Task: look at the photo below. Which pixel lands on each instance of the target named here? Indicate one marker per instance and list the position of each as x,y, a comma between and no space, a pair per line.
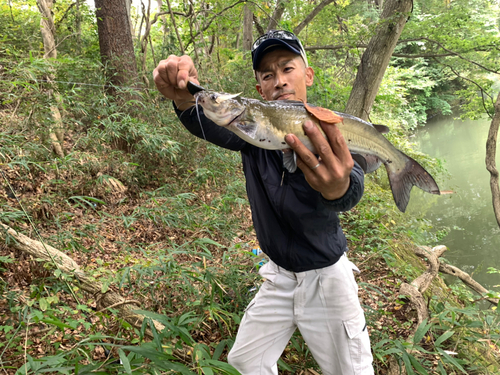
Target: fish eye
213,97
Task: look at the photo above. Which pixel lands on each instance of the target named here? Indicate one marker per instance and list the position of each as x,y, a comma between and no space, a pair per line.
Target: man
309,281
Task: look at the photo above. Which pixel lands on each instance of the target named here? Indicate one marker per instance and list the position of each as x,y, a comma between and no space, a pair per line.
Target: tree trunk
128,4
277,14
491,146
115,41
78,25
146,13
376,57
175,27
48,30
311,15
247,28
162,18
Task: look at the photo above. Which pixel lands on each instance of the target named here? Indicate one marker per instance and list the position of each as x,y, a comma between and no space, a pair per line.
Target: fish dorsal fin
248,128
323,114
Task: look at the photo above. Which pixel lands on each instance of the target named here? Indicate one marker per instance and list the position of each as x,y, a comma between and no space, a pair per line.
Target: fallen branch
417,287
467,280
49,254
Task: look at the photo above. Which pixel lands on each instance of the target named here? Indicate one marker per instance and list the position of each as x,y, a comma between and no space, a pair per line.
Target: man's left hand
330,173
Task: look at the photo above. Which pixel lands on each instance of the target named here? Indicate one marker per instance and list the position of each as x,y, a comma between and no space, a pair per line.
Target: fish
265,123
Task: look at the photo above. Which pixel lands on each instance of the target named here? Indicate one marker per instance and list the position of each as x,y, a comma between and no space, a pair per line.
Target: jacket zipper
284,186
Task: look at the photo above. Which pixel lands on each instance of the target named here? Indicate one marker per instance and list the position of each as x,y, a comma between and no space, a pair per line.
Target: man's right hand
171,76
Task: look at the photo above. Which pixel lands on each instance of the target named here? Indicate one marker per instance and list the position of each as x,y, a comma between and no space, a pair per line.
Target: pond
466,211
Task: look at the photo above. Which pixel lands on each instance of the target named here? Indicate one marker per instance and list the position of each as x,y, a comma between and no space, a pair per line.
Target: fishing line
199,119
77,83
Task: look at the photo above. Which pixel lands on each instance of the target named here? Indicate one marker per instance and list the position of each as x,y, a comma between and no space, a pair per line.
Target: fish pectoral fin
248,128
361,161
381,128
290,161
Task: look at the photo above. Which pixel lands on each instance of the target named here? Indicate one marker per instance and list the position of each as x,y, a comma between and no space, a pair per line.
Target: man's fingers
337,142
186,71
323,147
171,70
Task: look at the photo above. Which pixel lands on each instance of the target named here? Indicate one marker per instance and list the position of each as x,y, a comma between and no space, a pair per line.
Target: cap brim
261,50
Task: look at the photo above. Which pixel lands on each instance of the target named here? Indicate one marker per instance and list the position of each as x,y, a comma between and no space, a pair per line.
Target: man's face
283,75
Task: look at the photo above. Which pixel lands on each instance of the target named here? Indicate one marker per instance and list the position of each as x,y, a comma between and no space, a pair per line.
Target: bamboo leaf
124,361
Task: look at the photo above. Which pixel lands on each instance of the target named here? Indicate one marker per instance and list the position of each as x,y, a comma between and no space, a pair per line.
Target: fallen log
49,254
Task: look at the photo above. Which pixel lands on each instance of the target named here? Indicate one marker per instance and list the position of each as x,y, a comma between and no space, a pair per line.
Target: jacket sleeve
204,128
353,194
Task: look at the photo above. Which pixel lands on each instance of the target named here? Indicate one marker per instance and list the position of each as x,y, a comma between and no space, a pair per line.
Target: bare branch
483,91
277,14
457,54
213,18
66,12
311,15
258,26
335,47
467,280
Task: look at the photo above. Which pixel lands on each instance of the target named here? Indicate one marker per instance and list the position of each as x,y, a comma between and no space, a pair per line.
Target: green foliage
407,95
179,240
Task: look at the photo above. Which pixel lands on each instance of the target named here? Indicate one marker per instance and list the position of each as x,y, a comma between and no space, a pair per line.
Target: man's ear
309,76
259,89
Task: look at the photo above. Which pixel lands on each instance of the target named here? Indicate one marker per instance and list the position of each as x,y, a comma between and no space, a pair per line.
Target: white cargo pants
323,304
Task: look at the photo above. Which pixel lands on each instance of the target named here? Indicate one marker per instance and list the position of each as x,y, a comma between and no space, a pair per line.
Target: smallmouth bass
265,123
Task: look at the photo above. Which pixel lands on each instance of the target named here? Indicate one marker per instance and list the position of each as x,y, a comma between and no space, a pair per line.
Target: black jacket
296,227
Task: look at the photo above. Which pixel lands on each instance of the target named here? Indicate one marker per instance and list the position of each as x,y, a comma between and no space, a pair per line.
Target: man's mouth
284,96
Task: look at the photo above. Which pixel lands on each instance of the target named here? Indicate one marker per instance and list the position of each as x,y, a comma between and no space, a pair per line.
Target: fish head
221,108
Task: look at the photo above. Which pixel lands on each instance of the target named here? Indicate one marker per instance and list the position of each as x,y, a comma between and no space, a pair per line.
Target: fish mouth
234,119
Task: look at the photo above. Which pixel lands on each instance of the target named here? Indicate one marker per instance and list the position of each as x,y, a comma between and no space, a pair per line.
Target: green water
474,236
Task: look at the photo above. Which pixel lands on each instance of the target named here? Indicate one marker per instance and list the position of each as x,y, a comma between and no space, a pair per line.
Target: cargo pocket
359,344
269,272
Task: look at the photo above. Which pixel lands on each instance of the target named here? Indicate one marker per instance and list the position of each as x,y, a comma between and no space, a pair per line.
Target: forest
127,244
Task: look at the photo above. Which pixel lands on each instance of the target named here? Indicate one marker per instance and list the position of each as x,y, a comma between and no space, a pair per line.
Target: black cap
273,39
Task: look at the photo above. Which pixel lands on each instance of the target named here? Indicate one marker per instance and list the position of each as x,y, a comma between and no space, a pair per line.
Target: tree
491,145
376,57
247,28
115,41
48,30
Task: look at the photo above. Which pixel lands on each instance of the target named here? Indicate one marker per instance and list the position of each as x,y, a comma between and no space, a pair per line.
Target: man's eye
288,69
266,76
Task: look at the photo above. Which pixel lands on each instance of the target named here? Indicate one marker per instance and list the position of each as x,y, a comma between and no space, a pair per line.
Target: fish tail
403,179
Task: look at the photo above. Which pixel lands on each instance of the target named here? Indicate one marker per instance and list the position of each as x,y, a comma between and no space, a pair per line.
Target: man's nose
280,81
